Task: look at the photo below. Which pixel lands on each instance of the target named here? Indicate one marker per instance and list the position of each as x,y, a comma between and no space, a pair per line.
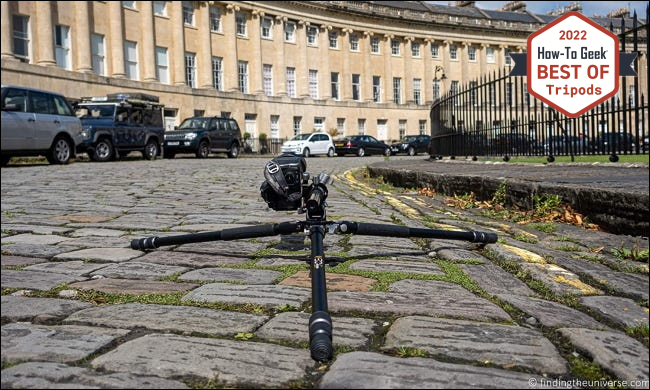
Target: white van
36,122
310,144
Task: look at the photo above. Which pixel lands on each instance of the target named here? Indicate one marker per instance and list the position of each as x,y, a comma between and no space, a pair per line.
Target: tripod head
287,187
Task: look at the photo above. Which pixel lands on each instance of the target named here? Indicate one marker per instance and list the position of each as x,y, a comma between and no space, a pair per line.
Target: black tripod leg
320,322
224,235
375,229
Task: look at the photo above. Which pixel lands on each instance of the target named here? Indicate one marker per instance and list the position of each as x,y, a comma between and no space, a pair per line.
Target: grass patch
625,158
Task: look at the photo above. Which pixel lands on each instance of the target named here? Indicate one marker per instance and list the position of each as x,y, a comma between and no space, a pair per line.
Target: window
417,91
415,49
340,126
160,8
376,89
492,94
268,79
128,4
436,89
291,82
319,124
199,112
374,45
275,126
162,65
354,42
454,90
356,87
489,55
397,90
21,36
297,125
267,27
334,78
215,19
241,24
473,86
188,13
190,70
313,83
394,47
217,73
402,128
471,54
435,51
131,60
334,39
631,97
509,96
62,46
506,53
312,36
422,125
361,126
98,53
453,52
242,72
290,32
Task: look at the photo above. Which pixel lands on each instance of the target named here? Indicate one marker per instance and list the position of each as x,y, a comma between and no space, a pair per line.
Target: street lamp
437,69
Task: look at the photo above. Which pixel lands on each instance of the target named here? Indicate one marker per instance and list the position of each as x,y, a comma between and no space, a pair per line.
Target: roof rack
134,97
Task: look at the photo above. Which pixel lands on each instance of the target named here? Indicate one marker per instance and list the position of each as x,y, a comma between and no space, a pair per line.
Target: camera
285,178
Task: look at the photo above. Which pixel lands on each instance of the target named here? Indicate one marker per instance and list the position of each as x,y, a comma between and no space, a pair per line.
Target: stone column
82,37
177,50
303,68
280,73
44,33
427,77
230,70
6,44
147,34
326,89
346,77
256,66
204,56
445,66
116,33
388,69
483,58
367,69
464,60
408,69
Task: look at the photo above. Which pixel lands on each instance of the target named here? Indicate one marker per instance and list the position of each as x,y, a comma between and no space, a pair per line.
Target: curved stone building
280,68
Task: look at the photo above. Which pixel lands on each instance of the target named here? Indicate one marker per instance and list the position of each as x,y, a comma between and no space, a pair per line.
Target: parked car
361,145
310,144
37,122
411,145
116,124
615,143
204,135
515,143
565,145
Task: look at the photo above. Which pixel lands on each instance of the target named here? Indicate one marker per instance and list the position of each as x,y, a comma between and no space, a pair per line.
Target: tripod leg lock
320,336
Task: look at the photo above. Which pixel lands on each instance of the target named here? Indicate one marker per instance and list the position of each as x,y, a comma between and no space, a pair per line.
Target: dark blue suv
204,135
117,124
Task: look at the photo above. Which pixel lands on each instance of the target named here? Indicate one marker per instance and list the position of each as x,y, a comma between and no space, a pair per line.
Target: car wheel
387,152
150,150
330,152
411,151
306,152
203,150
361,152
60,152
103,150
234,151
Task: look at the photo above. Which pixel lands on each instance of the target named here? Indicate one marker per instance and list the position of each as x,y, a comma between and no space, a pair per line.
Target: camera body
285,181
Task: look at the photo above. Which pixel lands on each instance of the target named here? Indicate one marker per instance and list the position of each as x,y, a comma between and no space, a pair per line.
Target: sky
589,8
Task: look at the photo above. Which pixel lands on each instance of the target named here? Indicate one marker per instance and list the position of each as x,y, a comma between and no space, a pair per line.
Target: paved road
552,308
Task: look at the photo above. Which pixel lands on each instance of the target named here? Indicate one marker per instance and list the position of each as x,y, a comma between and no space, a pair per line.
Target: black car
203,135
411,145
117,124
618,142
361,145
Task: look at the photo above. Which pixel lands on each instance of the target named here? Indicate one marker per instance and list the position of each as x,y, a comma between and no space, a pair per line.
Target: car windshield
195,123
96,111
301,137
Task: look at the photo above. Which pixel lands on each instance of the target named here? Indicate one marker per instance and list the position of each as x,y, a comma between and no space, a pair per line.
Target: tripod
315,226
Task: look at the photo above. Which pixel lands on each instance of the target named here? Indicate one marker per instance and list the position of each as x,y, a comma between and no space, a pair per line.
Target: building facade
279,68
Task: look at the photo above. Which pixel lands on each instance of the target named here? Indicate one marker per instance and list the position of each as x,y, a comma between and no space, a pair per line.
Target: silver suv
36,122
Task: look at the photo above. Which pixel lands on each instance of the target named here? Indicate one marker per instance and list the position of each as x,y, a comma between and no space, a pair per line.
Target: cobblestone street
560,306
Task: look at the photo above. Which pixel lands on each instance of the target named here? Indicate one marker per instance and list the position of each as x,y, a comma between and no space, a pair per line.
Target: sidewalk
613,195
